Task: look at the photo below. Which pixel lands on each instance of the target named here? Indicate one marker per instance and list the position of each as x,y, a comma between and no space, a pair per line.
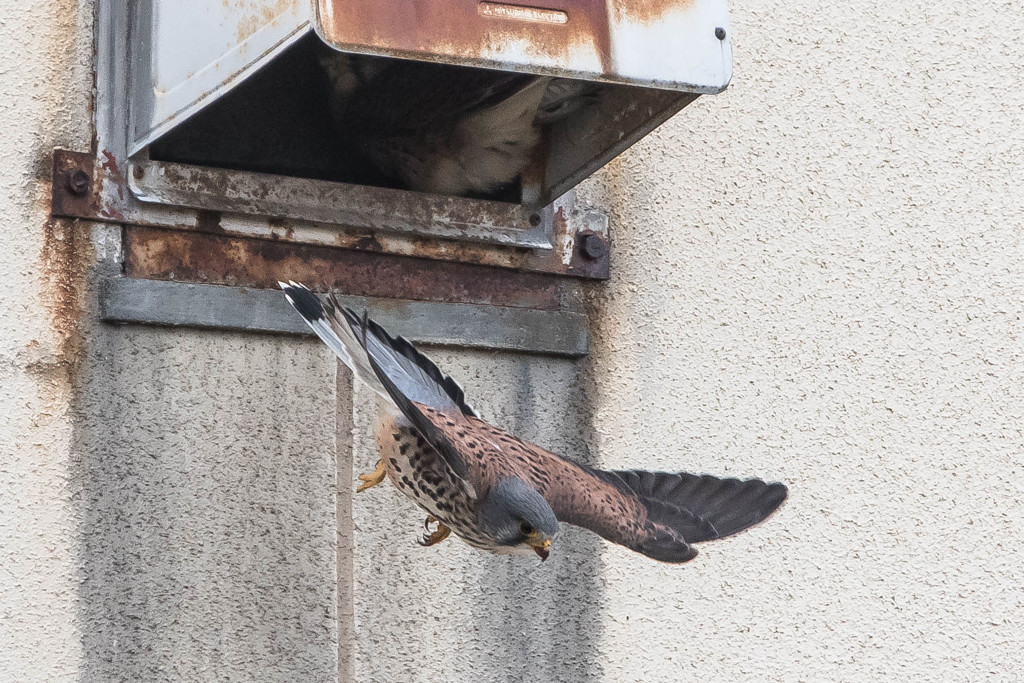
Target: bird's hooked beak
542,549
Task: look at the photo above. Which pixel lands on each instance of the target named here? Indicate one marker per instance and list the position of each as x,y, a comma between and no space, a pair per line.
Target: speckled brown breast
416,469
575,493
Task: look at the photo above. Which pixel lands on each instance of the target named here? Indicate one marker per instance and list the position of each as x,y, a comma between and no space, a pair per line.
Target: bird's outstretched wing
404,374
658,514
661,514
700,507
679,509
392,367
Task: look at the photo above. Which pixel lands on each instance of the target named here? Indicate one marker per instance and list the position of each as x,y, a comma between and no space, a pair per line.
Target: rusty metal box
671,44
180,82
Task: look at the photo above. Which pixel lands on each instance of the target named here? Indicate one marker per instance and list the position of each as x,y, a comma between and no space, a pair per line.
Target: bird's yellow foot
435,537
372,479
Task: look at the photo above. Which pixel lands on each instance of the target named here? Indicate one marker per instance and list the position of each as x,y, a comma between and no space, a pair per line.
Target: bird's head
517,518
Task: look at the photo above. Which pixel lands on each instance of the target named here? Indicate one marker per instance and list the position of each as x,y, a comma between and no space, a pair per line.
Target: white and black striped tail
352,338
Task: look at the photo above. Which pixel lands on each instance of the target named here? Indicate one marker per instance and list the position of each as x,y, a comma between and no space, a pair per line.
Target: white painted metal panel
187,53
672,44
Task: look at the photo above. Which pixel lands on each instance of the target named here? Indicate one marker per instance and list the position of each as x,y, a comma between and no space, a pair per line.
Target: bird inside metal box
446,129
502,494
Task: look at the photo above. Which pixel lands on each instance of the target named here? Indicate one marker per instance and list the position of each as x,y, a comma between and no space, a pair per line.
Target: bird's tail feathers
565,96
334,331
411,373
508,126
353,338
494,145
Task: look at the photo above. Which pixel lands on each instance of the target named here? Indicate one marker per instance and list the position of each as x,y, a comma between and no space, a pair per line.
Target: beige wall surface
205,481
44,101
816,277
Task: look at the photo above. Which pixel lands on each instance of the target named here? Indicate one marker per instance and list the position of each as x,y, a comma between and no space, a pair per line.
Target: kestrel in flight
502,494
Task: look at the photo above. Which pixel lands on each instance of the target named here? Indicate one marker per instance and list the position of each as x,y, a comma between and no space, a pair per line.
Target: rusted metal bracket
261,206
75,193
155,254
358,206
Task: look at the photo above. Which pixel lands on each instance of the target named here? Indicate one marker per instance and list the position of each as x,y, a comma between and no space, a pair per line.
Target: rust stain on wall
67,254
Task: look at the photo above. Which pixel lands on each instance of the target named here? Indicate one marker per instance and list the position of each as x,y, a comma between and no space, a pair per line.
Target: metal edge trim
321,201
182,304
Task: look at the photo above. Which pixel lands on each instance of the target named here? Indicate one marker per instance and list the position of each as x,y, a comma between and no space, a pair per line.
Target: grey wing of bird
660,514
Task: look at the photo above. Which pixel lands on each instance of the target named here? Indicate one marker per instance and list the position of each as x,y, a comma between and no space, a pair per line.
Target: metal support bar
358,206
96,188
177,304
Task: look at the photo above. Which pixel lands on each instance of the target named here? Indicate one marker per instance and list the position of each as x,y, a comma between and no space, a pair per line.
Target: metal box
213,109
671,44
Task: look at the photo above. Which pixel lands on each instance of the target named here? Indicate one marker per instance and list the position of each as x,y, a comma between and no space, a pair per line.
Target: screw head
77,181
138,172
535,219
720,33
593,247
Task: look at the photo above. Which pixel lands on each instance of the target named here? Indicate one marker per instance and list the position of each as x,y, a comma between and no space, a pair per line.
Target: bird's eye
525,528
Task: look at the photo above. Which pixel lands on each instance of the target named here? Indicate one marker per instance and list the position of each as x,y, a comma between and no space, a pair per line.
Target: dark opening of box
316,113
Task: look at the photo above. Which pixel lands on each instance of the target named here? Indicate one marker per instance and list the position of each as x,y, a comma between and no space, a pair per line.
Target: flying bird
445,129
500,493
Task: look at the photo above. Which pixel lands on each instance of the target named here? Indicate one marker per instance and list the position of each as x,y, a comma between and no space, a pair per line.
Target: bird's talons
437,536
374,478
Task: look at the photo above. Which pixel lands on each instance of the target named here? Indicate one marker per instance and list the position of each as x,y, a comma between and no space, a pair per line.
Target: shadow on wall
208,511
207,492
206,485
454,613
551,614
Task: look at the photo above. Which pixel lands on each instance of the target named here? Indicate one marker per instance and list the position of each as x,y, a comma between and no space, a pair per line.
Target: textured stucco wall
207,492
44,101
818,276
